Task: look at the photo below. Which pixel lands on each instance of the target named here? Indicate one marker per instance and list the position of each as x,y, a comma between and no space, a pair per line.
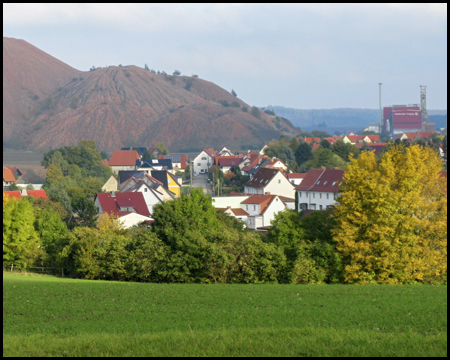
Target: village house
8,177
154,164
120,204
296,178
270,181
123,160
261,210
319,189
110,185
203,161
152,182
152,197
179,162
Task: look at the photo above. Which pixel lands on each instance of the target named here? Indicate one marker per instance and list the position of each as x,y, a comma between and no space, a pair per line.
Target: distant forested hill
343,117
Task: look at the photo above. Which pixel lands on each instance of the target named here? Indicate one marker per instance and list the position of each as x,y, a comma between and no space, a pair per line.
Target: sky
304,56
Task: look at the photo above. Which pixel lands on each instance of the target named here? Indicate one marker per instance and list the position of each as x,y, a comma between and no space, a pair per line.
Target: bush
256,112
235,104
224,103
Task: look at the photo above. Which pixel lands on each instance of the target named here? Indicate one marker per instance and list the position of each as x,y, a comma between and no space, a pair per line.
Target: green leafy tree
325,144
20,240
344,150
13,187
104,155
30,187
233,92
53,175
256,112
391,220
303,153
325,158
162,148
85,213
320,133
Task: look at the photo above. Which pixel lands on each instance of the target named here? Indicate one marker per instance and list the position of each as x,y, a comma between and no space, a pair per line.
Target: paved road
201,181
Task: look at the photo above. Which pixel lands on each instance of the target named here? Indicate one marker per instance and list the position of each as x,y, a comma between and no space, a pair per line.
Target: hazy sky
306,56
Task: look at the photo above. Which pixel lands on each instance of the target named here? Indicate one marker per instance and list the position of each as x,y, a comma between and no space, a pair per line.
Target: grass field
48,316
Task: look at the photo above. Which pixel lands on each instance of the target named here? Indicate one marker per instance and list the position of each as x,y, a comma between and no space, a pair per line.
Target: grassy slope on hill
45,316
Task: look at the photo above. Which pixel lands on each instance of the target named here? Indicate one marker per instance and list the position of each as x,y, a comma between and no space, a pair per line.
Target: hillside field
49,316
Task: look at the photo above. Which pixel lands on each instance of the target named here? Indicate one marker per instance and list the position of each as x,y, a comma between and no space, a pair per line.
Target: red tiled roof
263,200
110,203
284,198
105,162
229,161
419,135
14,194
296,175
356,138
239,212
374,138
211,152
331,140
322,180
8,175
315,146
18,194
124,157
309,140
37,193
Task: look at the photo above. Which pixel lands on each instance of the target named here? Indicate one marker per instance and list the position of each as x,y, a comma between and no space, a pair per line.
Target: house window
299,194
254,207
304,206
328,195
279,181
320,207
321,195
145,190
203,158
314,195
312,206
246,207
199,164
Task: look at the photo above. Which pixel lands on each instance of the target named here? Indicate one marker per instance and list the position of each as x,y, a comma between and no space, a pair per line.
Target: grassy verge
48,316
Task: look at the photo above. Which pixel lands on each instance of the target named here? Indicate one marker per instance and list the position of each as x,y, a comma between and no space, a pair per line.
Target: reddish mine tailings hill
123,106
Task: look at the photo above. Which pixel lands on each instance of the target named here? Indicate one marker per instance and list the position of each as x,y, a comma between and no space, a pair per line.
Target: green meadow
49,316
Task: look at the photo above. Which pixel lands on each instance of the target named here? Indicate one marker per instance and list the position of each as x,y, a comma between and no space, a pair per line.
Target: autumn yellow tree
391,218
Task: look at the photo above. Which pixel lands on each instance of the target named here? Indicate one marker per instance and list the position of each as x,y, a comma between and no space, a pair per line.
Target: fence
37,270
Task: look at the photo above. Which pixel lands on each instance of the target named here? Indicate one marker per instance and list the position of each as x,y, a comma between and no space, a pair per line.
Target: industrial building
398,119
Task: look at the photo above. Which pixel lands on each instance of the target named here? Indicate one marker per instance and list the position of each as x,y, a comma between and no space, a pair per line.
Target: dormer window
325,182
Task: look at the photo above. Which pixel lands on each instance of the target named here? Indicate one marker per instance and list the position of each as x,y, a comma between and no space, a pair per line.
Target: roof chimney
267,193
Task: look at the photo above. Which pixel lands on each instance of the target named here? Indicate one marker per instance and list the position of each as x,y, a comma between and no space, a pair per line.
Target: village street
201,180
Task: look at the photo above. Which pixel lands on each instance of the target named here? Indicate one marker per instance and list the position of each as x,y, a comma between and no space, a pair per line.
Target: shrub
256,112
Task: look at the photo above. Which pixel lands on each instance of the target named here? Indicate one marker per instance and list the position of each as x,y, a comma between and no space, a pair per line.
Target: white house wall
280,186
320,198
221,202
203,163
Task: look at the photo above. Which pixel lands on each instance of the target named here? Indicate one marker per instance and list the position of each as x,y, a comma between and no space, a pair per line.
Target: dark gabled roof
322,180
182,159
110,204
124,175
161,176
167,163
262,177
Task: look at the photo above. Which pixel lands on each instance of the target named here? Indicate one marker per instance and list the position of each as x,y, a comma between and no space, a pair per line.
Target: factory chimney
381,112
